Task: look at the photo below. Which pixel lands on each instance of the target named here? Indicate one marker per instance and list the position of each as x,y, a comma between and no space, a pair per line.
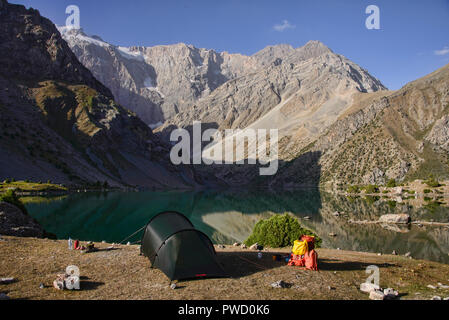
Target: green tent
175,247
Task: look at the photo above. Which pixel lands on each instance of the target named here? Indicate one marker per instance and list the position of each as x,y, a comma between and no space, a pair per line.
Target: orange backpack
310,260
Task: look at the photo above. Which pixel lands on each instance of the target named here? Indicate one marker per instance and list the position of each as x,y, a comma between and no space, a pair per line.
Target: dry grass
123,274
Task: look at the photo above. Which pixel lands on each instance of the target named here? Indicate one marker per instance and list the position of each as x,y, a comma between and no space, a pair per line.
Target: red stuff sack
297,261
310,260
310,241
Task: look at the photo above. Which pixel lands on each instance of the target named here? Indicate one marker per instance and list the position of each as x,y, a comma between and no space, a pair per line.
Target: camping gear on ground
277,257
297,261
180,251
310,241
303,253
76,245
70,244
310,260
300,247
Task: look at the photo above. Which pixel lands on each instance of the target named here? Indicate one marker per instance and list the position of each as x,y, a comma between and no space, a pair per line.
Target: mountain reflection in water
229,216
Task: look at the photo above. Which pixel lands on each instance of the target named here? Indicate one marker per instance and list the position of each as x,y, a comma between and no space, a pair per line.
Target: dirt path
123,274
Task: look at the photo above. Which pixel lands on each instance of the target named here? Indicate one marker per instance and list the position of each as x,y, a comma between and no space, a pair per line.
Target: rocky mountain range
59,123
156,82
338,124
179,81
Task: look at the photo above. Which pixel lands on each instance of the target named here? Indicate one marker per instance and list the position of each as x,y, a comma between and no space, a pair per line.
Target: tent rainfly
180,251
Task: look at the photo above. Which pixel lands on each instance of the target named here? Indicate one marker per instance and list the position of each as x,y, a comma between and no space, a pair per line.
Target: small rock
376,295
257,247
243,246
395,218
431,287
220,246
436,298
306,218
332,234
128,243
7,280
103,241
379,254
447,298
58,284
280,284
390,293
330,288
394,253
339,249
254,246
42,286
236,244
442,286
368,287
173,286
336,214
3,296
408,254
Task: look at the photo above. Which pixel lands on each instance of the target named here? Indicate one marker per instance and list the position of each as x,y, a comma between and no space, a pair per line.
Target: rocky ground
14,222
122,274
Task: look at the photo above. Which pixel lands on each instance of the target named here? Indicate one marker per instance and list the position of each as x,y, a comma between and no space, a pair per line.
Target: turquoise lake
229,216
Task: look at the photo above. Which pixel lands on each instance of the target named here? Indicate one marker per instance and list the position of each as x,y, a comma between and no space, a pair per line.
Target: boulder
72,283
442,286
397,190
367,287
390,293
395,218
376,295
256,246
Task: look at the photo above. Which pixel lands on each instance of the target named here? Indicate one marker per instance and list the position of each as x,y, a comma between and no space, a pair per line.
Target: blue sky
412,42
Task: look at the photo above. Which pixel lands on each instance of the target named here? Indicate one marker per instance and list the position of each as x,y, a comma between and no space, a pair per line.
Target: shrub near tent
180,251
279,231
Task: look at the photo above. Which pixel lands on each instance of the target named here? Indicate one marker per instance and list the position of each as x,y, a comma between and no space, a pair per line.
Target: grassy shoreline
123,274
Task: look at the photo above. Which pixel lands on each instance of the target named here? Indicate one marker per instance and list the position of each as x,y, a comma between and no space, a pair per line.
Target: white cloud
442,52
283,26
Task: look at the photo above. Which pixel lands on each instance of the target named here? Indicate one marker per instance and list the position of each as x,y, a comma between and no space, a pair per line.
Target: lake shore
122,273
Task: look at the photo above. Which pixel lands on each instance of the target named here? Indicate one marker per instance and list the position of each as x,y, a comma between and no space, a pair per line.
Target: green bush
432,182
353,189
279,231
371,188
391,183
11,197
427,191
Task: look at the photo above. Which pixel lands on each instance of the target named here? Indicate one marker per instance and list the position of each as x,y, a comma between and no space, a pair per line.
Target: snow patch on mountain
79,35
129,54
